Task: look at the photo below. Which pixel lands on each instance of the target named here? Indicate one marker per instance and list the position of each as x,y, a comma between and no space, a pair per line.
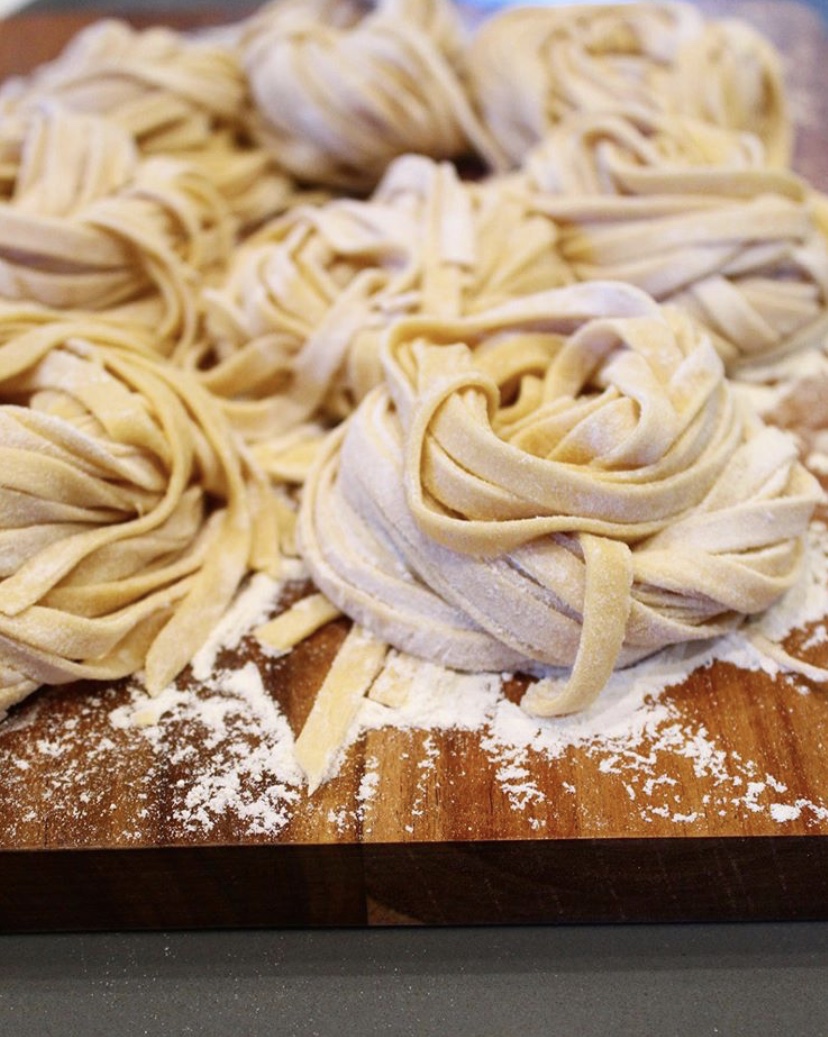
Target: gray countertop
694,979
665,980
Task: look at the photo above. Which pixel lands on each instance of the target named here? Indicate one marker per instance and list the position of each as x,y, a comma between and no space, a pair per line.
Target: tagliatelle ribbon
128,517
656,57
342,92
563,481
295,328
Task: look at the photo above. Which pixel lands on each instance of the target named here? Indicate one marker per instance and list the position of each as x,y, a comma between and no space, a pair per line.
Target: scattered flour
782,812
251,607
252,777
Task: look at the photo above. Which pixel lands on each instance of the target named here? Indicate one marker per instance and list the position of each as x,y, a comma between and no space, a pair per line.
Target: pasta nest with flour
128,517
170,92
87,224
657,57
566,480
306,301
342,87
174,95
693,216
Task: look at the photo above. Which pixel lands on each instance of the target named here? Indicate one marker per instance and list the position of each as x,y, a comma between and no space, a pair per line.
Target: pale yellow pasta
656,57
296,326
563,481
128,516
351,674
498,469
635,153
739,246
573,58
731,76
297,623
252,185
342,87
174,95
86,224
288,457
170,92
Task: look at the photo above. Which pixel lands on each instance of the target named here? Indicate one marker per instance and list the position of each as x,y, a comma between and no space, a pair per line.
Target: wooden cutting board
717,808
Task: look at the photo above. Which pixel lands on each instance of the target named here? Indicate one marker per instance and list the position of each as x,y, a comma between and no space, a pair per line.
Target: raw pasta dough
525,475
174,95
628,152
657,57
294,330
86,224
169,92
128,516
566,480
694,216
341,91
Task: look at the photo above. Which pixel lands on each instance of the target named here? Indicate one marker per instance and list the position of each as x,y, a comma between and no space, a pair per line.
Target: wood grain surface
718,812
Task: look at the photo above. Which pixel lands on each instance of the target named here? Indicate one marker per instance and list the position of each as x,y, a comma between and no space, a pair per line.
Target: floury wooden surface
720,812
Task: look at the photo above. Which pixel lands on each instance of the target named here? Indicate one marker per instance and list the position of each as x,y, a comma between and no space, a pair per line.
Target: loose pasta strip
351,674
564,481
297,623
128,515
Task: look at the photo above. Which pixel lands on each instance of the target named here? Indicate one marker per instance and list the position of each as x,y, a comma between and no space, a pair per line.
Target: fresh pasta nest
566,481
660,57
341,91
170,93
296,326
173,96
116,233
694,216
128,517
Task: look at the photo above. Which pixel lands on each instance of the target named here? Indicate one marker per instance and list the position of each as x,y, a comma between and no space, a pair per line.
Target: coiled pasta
566,481
341,91
296,326
128,517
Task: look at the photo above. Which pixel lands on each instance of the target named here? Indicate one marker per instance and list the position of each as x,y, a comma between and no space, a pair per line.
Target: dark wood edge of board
490,883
